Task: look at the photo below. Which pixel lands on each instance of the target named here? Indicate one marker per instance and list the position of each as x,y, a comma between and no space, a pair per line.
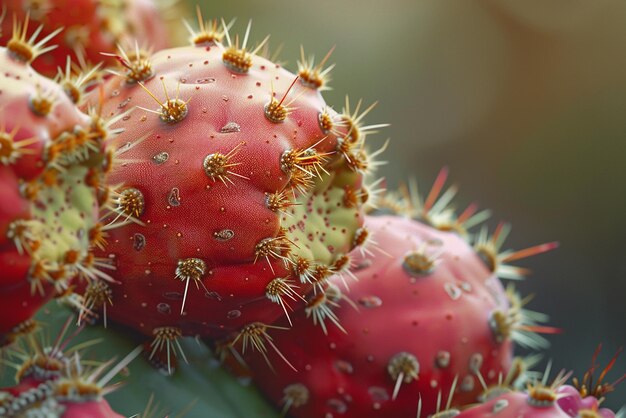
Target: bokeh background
524,101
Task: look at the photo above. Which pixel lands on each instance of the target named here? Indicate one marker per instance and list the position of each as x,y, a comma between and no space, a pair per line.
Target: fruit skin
194,246
441,318
48,151
568,404
100,409
89,26
513,404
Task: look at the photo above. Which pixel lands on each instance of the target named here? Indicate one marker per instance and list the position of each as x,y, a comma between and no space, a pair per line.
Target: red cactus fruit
84,28
429,312
240,190
50,173
53,381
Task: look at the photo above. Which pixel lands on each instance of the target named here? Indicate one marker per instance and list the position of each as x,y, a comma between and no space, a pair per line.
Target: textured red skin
18,83
218,97
12,204
14,266
517,406
141,20
22,386
93,409
419,318
19,303
568,405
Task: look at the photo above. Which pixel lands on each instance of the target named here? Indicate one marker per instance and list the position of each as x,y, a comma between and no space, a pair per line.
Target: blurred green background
524,101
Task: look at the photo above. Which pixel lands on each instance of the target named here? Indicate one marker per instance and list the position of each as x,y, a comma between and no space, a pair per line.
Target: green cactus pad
65,220
330,222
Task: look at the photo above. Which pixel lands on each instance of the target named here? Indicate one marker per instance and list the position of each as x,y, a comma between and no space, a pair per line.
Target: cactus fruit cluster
203,203
541,398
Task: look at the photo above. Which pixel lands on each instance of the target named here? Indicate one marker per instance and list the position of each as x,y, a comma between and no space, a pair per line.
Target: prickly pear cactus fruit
426,318
83,29
516,404
582,404
580,399
239,190
51,169
54,380
539,401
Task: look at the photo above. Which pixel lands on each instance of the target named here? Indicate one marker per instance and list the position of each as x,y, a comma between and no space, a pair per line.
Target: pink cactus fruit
240,189
146,21
540,399
52,380
51,167
431,318
588,393
84,28
514,405
575,404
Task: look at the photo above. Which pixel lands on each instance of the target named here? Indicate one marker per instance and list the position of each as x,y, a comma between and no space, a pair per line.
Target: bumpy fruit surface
539,401
239,190
429,311
51,168
85,28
